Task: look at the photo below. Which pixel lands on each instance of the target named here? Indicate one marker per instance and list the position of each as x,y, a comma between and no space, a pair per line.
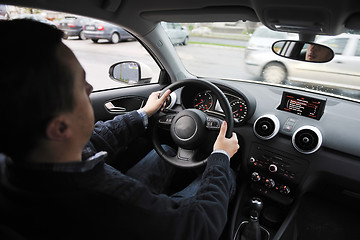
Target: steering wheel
190,128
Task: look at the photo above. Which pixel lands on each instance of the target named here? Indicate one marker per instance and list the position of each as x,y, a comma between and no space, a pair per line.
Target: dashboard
287,136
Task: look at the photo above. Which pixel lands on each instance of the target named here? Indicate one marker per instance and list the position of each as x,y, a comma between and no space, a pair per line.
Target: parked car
263,38
35,17
178,34
272,68
298,167
97,30
73,26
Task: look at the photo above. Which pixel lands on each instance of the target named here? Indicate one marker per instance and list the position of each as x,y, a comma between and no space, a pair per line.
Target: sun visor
207,14
297,20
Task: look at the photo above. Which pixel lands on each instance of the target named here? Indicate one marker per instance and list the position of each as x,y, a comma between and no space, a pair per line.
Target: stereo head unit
302,105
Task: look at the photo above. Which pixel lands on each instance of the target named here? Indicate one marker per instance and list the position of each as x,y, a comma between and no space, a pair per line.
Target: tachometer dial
239,109
203,101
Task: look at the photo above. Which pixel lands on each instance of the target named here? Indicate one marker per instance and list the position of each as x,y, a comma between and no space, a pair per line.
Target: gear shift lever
255,208
252,230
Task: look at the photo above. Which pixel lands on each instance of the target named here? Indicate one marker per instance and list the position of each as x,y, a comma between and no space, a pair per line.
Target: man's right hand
230,145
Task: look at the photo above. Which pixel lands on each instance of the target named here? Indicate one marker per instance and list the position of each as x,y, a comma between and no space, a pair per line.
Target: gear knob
256,205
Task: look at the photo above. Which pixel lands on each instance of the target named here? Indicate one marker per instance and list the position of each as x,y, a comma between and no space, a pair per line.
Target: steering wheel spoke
185,154
186,157
213,123
166,120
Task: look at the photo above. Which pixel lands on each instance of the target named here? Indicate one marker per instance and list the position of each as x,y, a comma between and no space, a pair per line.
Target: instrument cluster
206,101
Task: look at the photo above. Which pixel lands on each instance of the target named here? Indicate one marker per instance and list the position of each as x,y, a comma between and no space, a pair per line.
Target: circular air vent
307,139
266,127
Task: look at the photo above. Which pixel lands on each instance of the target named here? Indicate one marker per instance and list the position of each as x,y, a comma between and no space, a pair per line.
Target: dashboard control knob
269,183
284,189
255,177
273,168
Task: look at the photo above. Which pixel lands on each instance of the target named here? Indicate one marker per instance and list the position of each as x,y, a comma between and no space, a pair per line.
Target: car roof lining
330,16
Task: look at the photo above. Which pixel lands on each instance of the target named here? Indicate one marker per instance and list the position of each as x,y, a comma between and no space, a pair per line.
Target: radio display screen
302,105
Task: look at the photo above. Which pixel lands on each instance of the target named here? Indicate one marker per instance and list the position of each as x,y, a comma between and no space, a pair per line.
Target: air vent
266,126
307,139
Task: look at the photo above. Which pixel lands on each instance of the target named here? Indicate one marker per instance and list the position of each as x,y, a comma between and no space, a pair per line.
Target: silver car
271,68
178,34
97,30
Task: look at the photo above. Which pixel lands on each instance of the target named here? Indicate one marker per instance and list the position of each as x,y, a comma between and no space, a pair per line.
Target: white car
272,68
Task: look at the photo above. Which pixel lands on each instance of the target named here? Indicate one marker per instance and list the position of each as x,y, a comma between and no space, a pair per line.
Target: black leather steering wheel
189,128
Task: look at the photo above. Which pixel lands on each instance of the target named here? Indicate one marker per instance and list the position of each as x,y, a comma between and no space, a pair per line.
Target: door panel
128,98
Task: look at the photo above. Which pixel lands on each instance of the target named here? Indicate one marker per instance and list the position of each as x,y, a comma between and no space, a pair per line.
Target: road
225,62
96,59
231,42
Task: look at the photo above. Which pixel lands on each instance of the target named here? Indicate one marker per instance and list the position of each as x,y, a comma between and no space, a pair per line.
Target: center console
273,178
275,174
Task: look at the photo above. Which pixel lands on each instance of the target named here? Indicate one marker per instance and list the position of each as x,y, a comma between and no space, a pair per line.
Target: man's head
41,81
317,53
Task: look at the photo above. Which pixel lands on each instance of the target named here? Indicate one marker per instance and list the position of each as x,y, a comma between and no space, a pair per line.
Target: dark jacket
90,199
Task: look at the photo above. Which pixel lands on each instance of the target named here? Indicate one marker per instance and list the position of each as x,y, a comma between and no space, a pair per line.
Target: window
96,58
337,45
357,51
95,55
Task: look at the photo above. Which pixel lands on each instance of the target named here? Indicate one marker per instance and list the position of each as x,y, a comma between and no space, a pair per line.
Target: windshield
242,51
224,50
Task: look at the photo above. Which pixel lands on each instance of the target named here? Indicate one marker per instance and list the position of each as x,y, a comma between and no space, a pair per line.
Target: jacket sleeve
113,135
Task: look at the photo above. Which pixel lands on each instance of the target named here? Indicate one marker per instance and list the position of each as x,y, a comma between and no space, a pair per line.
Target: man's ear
58,129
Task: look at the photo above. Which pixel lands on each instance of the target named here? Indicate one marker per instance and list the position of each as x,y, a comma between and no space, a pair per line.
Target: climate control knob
273,168
284,189
269,183
255,177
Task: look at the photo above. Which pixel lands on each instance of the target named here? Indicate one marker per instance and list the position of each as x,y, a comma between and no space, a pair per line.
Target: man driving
56,184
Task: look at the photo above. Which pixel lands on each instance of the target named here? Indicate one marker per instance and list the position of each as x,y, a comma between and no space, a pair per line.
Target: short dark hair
35,85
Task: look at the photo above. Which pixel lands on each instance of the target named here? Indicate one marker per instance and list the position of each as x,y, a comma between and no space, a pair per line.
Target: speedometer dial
203,101
239,109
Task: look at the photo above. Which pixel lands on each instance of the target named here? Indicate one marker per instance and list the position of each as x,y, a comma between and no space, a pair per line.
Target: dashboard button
269,183
284,189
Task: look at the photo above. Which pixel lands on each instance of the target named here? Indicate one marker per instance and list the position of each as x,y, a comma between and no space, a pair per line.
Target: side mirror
303,51
130,72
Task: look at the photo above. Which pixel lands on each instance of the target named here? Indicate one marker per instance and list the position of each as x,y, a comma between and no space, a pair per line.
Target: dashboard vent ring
307,139
266,126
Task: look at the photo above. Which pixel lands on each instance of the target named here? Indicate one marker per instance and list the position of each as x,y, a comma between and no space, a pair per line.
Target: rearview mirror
130,72
303,51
